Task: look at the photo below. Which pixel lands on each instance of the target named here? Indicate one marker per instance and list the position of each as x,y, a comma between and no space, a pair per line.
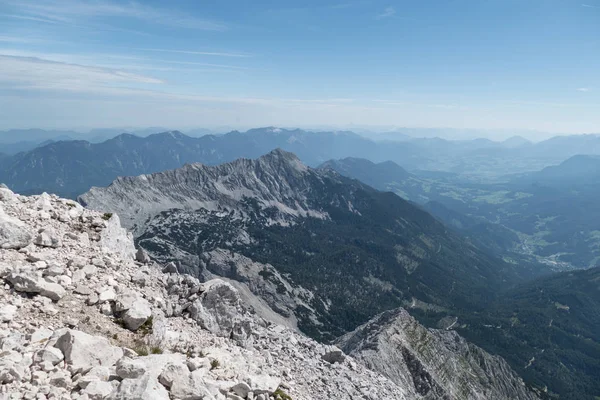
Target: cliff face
430,363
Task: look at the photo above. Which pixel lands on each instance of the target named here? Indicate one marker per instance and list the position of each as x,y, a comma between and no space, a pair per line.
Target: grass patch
281,394
107,216
146,327
141,350
214,364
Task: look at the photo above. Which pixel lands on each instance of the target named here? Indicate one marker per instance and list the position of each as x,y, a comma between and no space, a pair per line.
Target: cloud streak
387,13
70,11
583,89
199,53
34,73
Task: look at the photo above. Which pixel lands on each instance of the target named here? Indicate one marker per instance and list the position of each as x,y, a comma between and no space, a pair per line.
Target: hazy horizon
373,132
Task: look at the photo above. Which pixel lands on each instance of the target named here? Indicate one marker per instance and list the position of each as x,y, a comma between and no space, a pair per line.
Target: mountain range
70,167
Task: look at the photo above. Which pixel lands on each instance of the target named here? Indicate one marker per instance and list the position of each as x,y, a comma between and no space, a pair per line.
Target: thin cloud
69,11
583,89
20,40
387,13
35,73
29,18
200,53
589,6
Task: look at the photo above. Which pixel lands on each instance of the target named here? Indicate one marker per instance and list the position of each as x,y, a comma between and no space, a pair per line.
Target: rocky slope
435,364
79,318
326,252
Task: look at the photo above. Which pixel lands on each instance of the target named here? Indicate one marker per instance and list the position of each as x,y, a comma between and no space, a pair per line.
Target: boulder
128,368
7,312
190,386
31,283
144,388
137,314
50,354
142,256
107,295
171,373
98,390
219,310
13,234
48,238
83,351
333,355
115,239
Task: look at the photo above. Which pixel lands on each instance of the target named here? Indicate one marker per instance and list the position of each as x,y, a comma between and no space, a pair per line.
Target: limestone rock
219,310
142,256
13,234
83,351
7,312
47,237
30,283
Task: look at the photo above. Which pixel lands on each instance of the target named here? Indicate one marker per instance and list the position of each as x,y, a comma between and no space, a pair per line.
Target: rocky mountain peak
277,180
283,160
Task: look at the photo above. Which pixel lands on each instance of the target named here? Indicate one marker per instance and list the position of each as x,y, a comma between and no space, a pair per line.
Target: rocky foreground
84,317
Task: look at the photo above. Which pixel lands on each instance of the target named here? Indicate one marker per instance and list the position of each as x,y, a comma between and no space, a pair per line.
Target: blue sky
495,64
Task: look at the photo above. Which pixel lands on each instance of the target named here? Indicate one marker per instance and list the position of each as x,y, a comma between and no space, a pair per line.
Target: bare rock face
431,364
219,310
116,239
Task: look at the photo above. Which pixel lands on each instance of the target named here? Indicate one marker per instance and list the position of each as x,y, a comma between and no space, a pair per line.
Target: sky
488,64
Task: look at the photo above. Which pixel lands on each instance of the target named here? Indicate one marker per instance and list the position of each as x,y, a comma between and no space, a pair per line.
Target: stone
137,314
333,355
142,256
107,295
50,354
48,238
83,351
30,283
98,390
139,279
171,373
170,268
98,373
41,335
7,312
219,310
263,383
190,386
13,233
128,368
115,239
241,389
143,388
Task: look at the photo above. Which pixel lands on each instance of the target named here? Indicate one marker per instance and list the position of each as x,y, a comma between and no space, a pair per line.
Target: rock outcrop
81,319
429,363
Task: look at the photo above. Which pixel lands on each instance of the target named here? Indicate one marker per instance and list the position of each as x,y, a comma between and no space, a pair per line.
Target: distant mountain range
71,167
549,216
